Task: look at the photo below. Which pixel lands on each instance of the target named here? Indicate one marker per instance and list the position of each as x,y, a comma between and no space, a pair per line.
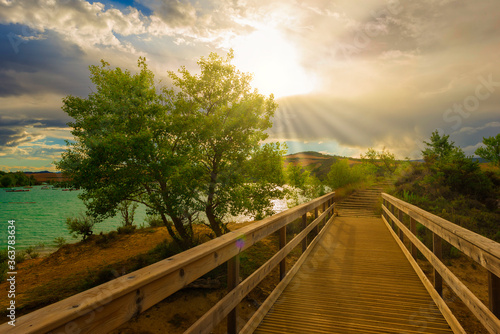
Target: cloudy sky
348,75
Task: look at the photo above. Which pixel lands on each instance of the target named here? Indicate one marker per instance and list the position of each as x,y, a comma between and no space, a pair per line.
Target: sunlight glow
274,63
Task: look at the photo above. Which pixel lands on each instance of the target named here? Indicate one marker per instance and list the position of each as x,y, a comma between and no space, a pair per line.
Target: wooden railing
107,306
484,251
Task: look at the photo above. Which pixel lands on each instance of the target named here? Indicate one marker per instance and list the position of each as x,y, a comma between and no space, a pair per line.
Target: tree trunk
212,219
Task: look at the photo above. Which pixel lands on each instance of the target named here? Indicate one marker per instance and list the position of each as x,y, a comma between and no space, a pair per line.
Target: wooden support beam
282,244
304,225
413,229
316,216
400,217
494,293
437,249
233,279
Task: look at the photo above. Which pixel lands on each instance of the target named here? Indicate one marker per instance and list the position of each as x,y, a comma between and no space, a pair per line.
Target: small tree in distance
81,225
491,150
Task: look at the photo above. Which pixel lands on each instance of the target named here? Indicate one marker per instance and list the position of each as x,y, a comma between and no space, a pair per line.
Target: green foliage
230,121
126,229
452,186
154,221
127,210
32,252
16,179
296,176
59,242
382,162
6,181
491,150
179,152
341,174
104,240
81,225
438,147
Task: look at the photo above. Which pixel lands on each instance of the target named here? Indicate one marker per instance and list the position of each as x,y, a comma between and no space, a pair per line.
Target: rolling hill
317,163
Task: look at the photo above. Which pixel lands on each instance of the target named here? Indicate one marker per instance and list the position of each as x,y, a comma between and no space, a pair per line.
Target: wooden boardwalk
356,280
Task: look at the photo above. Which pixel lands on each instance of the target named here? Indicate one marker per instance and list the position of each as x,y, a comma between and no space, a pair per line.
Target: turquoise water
40,216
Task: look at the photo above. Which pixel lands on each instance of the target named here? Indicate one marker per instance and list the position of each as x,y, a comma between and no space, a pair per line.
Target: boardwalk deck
356,280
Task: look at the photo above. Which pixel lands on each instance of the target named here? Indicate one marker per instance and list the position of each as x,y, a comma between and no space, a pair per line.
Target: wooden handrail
107,306
206,323
484,251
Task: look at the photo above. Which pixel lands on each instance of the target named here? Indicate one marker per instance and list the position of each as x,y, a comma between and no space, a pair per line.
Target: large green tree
132,144
180,151
239,175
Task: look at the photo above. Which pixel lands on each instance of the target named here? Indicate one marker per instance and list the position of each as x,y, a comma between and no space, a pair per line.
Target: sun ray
274,61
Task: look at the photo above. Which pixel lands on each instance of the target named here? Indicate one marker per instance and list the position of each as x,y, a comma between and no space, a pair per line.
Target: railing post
392,211
494,293
233,279
304,225
413,229
282,244
437,249
326,218
383,205
400,217
316,216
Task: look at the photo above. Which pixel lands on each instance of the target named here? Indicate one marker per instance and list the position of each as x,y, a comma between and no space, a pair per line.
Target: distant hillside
47,176
317,163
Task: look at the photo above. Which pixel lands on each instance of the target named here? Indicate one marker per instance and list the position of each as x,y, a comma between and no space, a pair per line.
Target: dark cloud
174,12
32,62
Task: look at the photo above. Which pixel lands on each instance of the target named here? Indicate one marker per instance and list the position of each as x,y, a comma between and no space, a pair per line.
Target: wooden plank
484,251
440,303
356,280
114,303
217,313
484,315
255,320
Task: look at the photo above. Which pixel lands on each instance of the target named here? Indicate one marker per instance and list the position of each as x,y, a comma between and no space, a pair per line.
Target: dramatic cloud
348,74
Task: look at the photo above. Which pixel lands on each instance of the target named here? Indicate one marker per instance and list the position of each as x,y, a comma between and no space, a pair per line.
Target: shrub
81,225
126,229
32,253
166,249
104,240
59,242
341,174
154,221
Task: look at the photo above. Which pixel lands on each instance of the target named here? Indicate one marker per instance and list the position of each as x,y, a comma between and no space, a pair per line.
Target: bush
166,249
32,253
154,221
104,240
59,242
126,229
82,225
341,174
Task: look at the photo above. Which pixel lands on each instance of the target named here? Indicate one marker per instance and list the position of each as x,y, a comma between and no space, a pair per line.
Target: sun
274,62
